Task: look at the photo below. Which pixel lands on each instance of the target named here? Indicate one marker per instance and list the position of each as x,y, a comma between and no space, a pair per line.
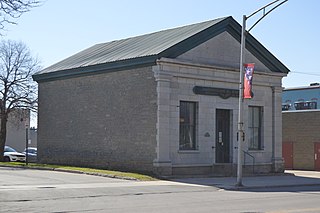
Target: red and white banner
247,87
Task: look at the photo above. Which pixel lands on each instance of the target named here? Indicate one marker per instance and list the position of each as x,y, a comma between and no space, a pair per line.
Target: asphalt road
49,191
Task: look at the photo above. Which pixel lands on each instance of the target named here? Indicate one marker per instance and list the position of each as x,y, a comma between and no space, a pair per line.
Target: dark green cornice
97,69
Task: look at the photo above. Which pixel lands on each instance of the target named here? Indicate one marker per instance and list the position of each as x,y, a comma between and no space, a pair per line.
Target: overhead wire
304,73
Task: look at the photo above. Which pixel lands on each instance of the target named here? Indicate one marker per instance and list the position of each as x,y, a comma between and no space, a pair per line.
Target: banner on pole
247,87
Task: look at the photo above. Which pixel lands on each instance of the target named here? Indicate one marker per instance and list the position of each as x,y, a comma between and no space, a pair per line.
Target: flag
247,87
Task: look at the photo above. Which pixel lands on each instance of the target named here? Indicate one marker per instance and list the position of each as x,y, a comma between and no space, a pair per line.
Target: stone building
164,103
17,125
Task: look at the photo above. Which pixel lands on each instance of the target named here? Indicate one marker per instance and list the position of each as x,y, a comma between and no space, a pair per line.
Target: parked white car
11,154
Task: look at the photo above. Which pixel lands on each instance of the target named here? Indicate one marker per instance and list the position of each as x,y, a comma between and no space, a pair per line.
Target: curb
269,186
95,174
242,188
72,171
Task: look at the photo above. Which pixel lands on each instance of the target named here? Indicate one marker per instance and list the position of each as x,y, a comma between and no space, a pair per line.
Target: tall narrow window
255,128
187,126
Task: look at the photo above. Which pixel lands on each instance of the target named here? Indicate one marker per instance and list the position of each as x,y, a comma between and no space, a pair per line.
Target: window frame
185,127
255,128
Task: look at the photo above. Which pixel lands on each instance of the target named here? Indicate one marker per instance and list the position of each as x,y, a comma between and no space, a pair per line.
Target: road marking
296,210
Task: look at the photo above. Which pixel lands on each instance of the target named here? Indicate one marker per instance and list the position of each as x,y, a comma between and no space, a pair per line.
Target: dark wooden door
222,136
317,156
287,154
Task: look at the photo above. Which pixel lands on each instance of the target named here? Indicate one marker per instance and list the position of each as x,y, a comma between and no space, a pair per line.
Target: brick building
301,122
165,102
301,139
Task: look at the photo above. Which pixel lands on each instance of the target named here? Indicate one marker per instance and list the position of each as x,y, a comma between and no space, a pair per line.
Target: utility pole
241,133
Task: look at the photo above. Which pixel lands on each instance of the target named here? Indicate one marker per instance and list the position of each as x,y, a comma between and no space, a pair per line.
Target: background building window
187,127
255,128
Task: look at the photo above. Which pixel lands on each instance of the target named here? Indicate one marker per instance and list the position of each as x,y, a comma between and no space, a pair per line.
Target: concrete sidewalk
289,179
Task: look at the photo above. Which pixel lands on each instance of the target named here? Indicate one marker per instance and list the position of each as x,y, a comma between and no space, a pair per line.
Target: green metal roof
145,49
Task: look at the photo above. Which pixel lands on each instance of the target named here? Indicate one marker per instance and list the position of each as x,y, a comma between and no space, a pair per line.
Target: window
305,105
286,107
255,128
187,140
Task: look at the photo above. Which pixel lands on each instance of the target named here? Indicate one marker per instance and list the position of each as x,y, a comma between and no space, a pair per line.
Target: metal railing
245,153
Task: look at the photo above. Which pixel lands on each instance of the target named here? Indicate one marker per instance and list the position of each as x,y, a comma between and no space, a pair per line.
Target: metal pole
27,145
240,115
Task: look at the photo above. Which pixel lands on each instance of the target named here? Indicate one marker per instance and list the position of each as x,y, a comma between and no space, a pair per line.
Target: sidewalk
290,179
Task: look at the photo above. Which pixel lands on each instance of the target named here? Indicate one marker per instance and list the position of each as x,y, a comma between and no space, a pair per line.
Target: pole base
239,185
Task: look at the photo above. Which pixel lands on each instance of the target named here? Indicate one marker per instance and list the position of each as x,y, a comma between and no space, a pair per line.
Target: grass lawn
101,172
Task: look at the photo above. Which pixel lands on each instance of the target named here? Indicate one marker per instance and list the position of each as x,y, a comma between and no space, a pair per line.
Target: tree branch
13,9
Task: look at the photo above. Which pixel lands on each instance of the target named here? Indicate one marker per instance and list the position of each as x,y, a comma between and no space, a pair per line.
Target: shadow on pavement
278,183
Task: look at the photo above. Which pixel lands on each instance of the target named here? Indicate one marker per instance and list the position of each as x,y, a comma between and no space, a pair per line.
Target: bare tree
17,89
13,9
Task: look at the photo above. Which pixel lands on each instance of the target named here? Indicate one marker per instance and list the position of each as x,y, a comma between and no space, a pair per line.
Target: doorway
222,136
287,154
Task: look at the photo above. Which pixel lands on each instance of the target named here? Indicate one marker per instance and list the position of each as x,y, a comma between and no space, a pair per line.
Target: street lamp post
240,134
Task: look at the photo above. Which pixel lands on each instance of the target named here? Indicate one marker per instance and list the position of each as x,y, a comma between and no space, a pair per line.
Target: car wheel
6,159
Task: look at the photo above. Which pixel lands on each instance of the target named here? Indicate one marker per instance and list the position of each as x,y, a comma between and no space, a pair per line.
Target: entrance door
222,136
317,156
287,154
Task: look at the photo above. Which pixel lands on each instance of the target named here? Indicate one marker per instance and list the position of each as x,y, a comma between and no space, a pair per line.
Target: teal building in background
301,98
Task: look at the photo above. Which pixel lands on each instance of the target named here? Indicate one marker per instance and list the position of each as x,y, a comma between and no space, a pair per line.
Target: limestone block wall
224,51
217,65
185,75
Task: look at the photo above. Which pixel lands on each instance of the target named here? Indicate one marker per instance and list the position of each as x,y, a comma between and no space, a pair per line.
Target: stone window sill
189,151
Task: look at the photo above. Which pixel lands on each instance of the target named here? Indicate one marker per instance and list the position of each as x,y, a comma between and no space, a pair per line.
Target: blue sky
61,28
